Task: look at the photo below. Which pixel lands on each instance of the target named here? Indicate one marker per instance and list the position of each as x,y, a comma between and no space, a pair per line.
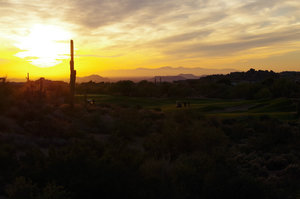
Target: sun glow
44,46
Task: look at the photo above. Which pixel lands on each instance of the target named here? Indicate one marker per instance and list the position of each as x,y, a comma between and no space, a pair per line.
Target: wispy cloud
240,44
186,36
99,56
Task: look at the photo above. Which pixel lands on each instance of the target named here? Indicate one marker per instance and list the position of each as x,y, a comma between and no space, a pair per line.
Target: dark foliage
248,85
50,151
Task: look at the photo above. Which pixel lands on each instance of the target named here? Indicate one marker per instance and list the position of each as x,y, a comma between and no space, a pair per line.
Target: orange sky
128,34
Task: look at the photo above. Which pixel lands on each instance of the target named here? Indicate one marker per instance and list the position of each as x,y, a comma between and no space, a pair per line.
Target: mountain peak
93,78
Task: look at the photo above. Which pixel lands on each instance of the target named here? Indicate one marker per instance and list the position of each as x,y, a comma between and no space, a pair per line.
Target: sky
128,34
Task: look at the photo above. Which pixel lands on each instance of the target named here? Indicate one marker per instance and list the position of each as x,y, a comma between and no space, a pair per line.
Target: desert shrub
244,90
6,93
263,93
22,188
8,162
125,88
52,191
156,175
277,163
273,135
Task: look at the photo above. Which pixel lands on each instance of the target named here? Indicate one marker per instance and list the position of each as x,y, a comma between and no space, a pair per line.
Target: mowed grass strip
282,107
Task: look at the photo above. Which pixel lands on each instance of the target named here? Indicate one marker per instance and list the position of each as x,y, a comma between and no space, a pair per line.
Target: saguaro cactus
72,74
27,78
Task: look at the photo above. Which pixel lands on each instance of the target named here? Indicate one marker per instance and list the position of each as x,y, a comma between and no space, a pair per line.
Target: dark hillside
132,145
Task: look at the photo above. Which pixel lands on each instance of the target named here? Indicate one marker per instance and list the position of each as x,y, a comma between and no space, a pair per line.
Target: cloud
209,19
99,56
241,44
186,36
175,28
96,13
258,5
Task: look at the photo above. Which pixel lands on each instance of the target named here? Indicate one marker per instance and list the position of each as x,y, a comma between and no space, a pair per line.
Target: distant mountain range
97,78
165,71
94,78
166,74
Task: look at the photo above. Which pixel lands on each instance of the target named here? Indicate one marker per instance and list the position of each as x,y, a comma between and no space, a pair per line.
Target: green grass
280,108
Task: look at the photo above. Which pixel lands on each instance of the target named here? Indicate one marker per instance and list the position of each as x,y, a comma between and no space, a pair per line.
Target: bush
22,188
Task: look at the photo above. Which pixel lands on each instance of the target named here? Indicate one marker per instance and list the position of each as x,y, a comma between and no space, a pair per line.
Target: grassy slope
281,108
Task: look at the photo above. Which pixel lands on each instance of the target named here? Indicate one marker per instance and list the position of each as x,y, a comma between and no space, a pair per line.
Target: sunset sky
128,34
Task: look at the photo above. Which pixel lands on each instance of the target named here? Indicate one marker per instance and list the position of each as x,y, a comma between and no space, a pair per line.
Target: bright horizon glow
44,46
